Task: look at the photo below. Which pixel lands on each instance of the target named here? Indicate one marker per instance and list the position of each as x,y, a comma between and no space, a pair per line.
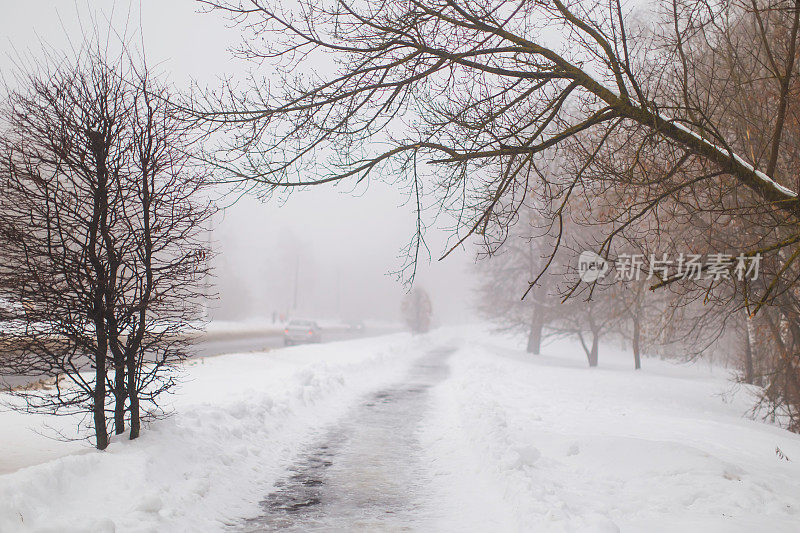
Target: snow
239,418
27,440
508,442
727,153
570,448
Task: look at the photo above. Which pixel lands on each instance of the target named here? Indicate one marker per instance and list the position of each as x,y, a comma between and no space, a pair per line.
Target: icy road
457,430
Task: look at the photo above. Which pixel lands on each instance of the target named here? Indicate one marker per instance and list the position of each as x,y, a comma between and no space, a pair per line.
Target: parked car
301,331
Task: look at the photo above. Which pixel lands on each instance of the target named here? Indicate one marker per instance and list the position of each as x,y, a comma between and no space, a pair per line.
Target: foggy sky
343,243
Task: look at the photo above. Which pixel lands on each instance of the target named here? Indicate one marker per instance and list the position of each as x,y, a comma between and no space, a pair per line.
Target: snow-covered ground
238,419
548,444
507,442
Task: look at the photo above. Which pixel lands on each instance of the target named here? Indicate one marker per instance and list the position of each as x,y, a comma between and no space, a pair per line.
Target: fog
337,248
631,165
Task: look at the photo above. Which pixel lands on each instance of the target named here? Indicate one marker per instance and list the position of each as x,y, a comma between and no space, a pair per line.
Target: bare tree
586,319
417,310
489,92
99,226
503,272
676,124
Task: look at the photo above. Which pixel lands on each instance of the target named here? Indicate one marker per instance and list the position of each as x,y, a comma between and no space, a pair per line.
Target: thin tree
502,272
417,310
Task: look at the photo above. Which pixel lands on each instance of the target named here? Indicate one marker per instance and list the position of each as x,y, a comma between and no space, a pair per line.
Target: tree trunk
637,360
98,221
99,407
748,362
101,436
133,396
120,394
748,352
535,334
593,354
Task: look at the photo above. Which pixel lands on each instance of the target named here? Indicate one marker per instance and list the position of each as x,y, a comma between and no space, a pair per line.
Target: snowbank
238,421
542,443
512,442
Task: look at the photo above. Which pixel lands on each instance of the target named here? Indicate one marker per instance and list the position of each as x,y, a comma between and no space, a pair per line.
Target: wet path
364,474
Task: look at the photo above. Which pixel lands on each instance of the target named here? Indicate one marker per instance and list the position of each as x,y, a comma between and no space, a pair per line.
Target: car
355,327
301,331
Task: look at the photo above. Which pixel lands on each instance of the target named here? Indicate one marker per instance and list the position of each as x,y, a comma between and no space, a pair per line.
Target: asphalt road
249,342
230,343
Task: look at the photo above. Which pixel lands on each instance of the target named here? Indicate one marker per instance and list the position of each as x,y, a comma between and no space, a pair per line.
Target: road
229,343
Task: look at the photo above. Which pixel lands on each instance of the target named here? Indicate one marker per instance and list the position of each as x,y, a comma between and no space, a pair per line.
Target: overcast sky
343,243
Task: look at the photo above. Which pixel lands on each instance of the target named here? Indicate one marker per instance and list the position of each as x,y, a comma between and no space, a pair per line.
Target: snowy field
508,442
